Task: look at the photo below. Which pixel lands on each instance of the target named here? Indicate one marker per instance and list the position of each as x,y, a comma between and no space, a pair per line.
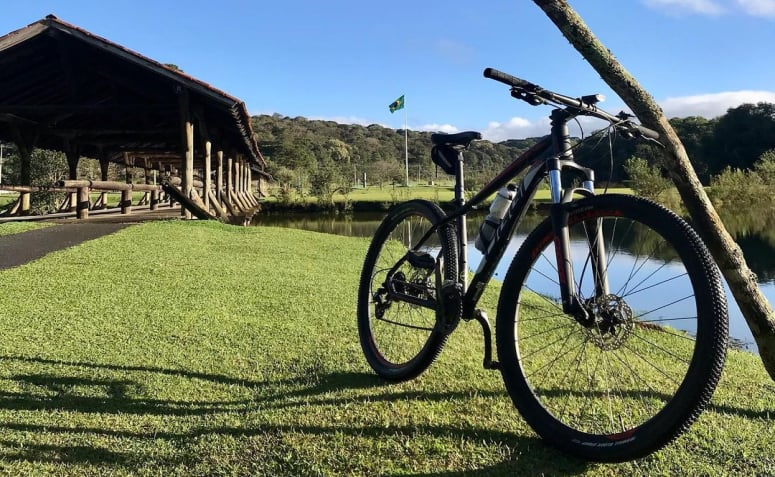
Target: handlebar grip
646,132
506,78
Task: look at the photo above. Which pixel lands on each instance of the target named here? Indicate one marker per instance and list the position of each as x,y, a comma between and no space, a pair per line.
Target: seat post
460,200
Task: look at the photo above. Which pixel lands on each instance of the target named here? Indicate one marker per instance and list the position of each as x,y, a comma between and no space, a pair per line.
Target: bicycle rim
638,371
401,339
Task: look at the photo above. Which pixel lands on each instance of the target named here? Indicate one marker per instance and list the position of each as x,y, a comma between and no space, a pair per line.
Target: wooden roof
65,86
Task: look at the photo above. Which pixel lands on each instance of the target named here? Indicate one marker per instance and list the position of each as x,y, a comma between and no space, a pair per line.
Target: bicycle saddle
458,139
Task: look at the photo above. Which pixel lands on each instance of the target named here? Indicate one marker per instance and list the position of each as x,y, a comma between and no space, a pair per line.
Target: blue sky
347,60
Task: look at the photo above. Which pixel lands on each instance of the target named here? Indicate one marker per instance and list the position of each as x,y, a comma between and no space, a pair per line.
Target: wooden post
244,182
219,176
127,170
242,177
188,178
235,183
187,147
217,206
24,203
229,180
126,195
154,193
238,184
163,175
82,207
250,184
251,196
208,181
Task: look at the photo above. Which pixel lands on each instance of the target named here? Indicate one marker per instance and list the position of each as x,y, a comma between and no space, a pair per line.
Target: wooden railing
233,204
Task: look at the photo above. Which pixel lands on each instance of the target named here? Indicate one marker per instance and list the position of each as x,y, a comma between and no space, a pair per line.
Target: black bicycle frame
549,156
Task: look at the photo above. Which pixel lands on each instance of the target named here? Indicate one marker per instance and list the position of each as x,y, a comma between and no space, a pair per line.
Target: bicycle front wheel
632,373
398,323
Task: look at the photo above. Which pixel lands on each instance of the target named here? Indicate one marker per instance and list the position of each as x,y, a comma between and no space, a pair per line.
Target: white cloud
445,128
712,105
759,8
520,128
704,7
705,105
515,128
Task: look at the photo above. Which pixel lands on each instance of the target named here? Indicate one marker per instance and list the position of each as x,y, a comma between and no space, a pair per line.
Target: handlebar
535,95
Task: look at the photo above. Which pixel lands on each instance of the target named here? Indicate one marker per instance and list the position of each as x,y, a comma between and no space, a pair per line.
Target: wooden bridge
65,89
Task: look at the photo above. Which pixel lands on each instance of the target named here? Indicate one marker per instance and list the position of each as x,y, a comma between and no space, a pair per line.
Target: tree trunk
741,280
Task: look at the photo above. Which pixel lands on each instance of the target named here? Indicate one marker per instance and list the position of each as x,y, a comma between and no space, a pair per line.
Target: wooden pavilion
65,89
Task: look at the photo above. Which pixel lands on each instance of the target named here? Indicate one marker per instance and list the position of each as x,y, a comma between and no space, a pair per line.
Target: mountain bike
611,326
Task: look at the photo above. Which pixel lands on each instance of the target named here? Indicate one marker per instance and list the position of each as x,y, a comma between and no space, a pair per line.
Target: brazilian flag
397,104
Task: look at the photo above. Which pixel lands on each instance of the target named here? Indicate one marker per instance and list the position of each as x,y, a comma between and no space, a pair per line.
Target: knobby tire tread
438,338
706,363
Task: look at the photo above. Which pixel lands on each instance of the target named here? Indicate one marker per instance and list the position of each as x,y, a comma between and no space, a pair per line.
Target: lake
755,235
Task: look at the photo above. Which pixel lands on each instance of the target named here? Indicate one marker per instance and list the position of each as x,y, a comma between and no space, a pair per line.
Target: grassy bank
381,198
201,349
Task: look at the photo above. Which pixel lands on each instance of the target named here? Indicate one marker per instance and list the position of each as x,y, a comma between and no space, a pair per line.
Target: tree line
308,153
323,157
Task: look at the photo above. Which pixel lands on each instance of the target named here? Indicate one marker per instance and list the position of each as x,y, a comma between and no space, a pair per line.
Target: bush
765,167
646,180
738,188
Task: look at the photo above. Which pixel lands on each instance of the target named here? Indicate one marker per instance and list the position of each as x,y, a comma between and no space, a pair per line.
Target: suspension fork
559,218
571,300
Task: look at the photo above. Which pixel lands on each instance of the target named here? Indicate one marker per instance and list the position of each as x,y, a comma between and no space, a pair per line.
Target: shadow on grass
64,454
69,389
64,391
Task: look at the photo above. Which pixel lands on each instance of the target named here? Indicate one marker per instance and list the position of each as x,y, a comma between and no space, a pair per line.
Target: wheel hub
609,321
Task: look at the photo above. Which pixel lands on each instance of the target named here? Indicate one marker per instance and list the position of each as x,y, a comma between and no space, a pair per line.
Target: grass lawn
192,348
440,192
9,228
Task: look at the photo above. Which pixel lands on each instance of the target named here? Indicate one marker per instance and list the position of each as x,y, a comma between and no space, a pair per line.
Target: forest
310,152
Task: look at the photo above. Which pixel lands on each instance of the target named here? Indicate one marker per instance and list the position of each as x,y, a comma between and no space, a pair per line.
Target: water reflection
754,232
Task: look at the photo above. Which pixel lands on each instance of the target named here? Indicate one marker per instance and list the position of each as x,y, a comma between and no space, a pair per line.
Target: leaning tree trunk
741,280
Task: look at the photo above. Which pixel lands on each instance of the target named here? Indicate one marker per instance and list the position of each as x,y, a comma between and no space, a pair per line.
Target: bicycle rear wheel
638,370
400,329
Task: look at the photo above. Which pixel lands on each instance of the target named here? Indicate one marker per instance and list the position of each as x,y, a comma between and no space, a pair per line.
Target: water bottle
498,210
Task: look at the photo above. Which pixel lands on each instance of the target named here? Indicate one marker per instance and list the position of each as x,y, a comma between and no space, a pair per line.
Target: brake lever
630,130
529,97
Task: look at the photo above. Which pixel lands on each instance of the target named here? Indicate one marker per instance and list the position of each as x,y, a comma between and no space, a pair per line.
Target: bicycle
605,354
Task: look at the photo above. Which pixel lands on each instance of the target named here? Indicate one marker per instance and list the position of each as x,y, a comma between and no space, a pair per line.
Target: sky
347,60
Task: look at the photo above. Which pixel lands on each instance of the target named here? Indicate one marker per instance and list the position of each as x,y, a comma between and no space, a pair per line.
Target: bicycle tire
400,340
637,377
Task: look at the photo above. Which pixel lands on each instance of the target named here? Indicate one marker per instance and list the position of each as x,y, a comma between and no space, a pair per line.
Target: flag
397,104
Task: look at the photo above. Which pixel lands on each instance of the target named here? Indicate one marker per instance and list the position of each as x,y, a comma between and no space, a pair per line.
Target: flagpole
406,147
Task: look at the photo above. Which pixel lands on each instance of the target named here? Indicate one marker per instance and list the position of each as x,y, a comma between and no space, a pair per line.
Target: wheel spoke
592,379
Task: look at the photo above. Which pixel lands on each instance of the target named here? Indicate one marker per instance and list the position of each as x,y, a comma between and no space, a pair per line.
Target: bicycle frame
539,164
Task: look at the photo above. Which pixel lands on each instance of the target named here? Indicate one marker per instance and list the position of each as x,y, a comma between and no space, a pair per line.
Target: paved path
18,249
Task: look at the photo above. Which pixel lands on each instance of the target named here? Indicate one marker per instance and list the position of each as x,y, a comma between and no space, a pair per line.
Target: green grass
9,228
191,348
6,199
